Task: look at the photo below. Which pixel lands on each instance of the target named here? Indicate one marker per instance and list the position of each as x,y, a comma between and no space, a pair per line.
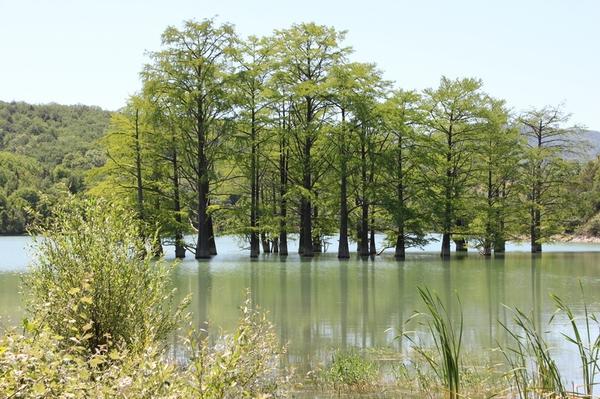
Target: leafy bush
591,227
350,371
93,273
244,364
43,364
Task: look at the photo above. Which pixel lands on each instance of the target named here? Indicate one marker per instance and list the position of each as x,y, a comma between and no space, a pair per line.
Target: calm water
321,304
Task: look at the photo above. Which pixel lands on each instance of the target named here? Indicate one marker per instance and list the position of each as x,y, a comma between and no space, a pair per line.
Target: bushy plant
42,364
349,371
245,364
93,273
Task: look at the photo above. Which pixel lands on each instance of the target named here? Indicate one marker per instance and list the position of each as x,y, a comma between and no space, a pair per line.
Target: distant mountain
591,140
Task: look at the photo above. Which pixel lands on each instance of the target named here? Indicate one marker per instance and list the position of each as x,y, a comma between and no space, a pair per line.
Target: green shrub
349,371
241,365
93,275
44,365
591,227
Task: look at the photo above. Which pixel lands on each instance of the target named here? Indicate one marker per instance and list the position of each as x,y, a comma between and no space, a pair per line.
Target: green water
323,304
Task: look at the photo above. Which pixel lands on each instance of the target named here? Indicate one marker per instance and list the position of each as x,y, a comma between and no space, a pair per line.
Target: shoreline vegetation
82,342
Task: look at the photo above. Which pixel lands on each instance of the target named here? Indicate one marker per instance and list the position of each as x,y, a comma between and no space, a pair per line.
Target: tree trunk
306,204
283,177
536,246
179,242
212,245
157,248
343,249
448,211
202,245
358,235
489,233
254,247
202,185
301,234
500,240
400,250
499,246
372,248
364,230
461,243
445,253
316,239
265,243
487,248
364,220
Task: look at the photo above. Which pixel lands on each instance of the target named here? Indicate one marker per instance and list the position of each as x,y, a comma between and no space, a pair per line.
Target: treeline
272,136
45,151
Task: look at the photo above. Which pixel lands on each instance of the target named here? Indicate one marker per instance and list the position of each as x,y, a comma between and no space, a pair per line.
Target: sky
531,53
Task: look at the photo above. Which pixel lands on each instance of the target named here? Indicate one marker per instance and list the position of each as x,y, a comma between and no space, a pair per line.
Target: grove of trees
264,137
285,136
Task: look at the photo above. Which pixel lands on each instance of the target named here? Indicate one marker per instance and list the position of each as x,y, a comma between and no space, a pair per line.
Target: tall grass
530,347
447,338
588,347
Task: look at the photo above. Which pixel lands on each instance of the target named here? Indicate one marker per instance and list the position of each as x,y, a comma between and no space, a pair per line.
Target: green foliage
446,361
41,364
587,219
93,273
45,365
587,345
350,371
53,134
543,377
242,135
102,309
43,149
243,364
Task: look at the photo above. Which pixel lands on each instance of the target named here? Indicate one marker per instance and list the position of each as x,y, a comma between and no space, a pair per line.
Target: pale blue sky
529,52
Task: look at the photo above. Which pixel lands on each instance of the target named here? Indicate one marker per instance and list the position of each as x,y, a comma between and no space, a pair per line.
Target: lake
321,304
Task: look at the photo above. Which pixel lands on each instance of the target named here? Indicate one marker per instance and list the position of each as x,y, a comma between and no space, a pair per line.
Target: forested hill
44,149
592,138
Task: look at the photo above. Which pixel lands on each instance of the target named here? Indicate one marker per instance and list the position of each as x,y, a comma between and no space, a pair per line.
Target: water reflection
321,304
306,317
203,296
283,307
536,292
344,305
365,302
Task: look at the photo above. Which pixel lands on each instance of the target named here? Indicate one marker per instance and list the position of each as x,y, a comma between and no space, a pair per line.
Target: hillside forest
286,137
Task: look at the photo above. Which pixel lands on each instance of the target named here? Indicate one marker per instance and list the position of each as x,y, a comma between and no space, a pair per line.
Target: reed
445,360
543,377
587,346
